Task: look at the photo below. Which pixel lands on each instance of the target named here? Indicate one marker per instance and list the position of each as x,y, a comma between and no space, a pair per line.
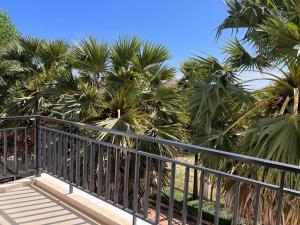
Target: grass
208,207
179,178
180,170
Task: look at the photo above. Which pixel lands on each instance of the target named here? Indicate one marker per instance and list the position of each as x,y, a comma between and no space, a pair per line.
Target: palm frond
151,54
124,51
54,52
239,58
90,55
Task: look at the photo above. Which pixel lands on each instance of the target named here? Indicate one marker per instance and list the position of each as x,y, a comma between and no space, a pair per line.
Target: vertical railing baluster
72,159
72,156
49,160
136,181
5,152
65,158
280,198
100,169
78,145
136,186
60,155
84,174
54,154
256,207
108,168
126,179
158,195
37,144
171,199
218,198
117,172
16,153
92,167
147,186
185,194
200,204
236,209
26,148
44,150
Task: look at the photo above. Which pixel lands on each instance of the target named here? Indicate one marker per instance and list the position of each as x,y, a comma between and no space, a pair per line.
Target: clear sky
186,27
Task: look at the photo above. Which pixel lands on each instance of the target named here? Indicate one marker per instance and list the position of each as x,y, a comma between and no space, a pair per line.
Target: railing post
5,152
70,188
136,183
37,146
71,171
280,198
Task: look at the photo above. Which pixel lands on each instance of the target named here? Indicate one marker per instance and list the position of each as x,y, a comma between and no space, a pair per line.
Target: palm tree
272,30
27,68
121,87
215,97
30,65
90,59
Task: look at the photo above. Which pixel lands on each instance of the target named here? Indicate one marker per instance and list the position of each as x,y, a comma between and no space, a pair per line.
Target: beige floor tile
30,206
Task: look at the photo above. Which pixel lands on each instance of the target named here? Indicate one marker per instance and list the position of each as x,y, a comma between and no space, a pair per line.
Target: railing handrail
17,118
178,162
78,159
190,147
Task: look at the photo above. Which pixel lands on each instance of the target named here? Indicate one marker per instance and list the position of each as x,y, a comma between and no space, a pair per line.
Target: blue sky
186,27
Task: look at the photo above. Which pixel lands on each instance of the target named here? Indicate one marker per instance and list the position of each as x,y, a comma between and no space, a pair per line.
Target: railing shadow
50,211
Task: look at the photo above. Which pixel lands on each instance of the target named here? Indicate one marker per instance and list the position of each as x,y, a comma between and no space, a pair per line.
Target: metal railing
128,176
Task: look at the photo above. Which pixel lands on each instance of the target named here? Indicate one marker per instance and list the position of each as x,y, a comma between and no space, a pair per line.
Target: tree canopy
125,85
7,29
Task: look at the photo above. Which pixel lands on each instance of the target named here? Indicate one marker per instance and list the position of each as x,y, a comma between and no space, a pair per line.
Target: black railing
118,168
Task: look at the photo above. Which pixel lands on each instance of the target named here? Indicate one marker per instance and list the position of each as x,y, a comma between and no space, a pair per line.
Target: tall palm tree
215,97
272,30
27,68
31,64
121,87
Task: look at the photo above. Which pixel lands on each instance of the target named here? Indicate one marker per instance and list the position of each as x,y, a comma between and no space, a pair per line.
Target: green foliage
8,30
208,210
90,58
268,134
120,86
31,64
215,97
277,23
271,34
239,58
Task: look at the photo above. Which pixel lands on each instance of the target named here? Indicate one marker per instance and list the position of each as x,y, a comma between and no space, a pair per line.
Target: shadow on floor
30,206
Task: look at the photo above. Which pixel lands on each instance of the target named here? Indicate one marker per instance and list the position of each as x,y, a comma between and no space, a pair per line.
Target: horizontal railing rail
189,147
178,162
131,178
16,118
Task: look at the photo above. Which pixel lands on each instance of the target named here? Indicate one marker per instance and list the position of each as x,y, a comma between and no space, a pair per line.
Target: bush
208,212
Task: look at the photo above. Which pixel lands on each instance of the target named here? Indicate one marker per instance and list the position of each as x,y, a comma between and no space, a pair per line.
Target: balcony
93,175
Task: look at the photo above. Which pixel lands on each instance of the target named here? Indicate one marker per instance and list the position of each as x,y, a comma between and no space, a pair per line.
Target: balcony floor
31,206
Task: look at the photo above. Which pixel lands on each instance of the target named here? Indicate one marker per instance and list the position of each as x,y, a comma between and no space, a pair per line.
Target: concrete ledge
82,204
16,184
